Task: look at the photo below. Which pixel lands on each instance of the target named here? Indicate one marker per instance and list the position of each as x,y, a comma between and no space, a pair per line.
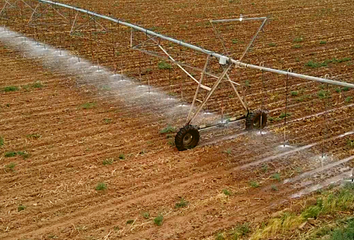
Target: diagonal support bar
184,70
216,84
237,93
253,39
197,91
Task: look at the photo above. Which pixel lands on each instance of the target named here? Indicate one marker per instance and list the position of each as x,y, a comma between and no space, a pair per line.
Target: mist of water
127,90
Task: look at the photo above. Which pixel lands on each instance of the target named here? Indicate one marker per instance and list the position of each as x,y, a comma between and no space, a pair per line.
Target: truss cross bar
59,13
154,54
216,84
143,43
27,5
237,93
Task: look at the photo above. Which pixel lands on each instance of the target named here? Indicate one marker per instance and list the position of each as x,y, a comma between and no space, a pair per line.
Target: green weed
276,176
303,98
130,221
264,168
272,44
283,115
37,85
2,141
164,65
10,154
226,192
107,120
33,136
313,64
254,184
298,39
323,42
168,129
146,215
325,63
219,236
228,151
350,143
348,99
294,93
108,161
322,94
21,207
158,220
274,188
346,233
182,203
11,166
24,155
297,46
101,186
121,156
11,89
88,105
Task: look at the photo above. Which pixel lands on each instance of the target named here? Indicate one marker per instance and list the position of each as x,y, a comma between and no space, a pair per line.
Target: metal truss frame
225,61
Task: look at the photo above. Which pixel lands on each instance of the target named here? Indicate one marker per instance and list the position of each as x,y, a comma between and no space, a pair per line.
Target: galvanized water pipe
222,58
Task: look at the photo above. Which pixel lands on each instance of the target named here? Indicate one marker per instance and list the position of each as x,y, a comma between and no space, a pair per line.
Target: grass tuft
254,184
298,39
329,204
164,65
10,154
146,215
168,129
37,85
2,141
33,136
276,176
88,105
158,220
322,94
101,186
294,93
108,161
21,207
130,221
182,203
11,89
226,192
11,166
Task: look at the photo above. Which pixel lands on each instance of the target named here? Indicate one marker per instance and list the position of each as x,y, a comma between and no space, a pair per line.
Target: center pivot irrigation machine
188,136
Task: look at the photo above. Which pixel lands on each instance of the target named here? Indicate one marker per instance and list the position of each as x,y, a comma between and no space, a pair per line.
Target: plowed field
78,164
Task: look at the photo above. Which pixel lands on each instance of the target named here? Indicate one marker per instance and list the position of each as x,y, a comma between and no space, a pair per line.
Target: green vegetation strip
330,206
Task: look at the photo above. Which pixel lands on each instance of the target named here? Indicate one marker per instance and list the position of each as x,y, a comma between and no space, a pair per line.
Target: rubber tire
253,120
182,133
